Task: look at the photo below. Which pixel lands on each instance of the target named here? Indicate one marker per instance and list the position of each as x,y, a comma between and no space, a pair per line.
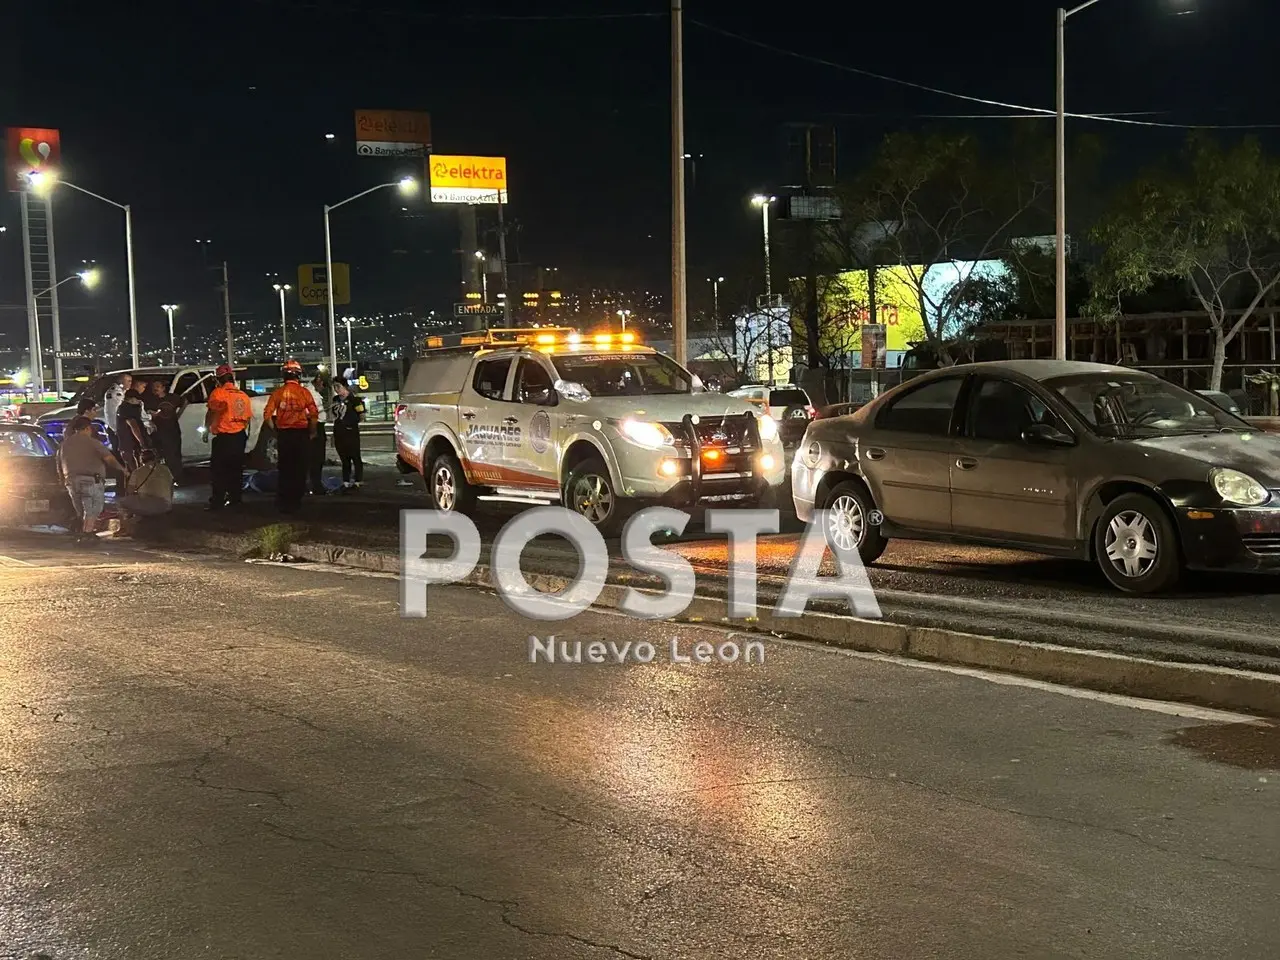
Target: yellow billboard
843,308
313,289
468,179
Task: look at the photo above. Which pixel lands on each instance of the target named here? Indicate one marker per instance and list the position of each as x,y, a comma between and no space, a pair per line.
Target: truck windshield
624,374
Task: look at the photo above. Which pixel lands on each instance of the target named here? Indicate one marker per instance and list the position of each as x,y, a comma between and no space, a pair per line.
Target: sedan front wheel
853,522
1136,545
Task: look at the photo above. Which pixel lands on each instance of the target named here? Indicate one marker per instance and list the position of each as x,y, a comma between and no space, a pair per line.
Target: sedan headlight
644,433
768,428
1240,488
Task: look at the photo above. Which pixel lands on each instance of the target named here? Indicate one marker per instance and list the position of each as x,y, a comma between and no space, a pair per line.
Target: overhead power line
1025,111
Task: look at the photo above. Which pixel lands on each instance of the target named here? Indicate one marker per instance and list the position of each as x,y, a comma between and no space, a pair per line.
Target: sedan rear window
926,409
788,398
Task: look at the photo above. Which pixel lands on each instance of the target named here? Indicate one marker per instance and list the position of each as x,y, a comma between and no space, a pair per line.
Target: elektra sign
741,527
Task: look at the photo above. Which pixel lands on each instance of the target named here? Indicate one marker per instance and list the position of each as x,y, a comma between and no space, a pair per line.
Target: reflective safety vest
292,406
230,408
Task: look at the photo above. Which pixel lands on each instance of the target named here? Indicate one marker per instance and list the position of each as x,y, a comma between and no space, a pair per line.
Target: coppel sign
313,284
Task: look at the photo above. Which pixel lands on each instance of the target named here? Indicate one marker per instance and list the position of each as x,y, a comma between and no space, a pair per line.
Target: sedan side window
1001,411
925,410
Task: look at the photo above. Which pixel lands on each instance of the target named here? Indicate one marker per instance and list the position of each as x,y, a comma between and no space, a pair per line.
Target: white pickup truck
599,422
193,384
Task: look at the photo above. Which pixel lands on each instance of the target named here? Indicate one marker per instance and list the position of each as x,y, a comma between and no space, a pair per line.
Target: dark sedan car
1070,459
30,493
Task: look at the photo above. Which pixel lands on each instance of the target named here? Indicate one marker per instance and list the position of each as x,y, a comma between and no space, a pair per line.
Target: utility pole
53,300
679,300
1060,198
226,309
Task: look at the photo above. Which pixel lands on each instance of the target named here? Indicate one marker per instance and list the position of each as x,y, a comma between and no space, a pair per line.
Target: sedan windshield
1142,407
624,374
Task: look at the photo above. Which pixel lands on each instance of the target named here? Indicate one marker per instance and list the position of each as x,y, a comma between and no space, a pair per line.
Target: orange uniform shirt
230,408
292,406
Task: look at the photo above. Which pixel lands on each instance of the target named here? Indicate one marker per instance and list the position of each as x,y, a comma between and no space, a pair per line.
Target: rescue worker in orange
227,421
291,413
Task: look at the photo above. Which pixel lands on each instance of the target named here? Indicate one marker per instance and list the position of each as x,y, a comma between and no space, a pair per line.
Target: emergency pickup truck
598,422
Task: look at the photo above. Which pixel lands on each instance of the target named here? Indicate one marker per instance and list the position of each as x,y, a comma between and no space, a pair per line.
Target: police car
599,422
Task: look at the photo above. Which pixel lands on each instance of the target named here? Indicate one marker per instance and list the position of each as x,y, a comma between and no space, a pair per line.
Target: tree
934,205
1212,221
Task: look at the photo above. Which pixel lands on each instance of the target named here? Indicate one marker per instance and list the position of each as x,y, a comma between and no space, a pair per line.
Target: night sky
209,117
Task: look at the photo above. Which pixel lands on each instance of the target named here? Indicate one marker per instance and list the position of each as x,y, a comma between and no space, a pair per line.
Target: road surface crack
207,758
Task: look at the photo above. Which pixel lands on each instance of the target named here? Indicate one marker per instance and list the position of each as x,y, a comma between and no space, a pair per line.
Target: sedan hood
1257,454
662,407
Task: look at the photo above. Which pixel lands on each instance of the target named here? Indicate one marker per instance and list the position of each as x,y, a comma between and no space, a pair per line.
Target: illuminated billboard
843,303
468,179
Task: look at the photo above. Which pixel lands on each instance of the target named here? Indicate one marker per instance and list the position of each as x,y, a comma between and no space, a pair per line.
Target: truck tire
447,486
589,491
263,455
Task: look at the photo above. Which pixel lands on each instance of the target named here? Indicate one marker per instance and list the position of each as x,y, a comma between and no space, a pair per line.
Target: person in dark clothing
346,412
166,415
131,421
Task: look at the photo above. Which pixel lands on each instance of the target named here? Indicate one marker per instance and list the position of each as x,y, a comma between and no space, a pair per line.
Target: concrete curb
1205,685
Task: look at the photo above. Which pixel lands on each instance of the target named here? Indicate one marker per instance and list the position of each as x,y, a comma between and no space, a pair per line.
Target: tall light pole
679,291
42,181
484,276
282,289
169,308
406,185
89,278
623,314
762,201
351,360
715,299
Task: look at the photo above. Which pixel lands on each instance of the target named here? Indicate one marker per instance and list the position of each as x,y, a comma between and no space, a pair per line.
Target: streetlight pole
351,359
763,202
1060,187
89,278
715,299
173,341
679,292
624,314
484,276
128,245
405,185
281,288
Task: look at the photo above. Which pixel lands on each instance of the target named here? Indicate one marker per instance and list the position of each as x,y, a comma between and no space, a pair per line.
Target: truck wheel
850,512
264,451
448,487
1136,545
589,491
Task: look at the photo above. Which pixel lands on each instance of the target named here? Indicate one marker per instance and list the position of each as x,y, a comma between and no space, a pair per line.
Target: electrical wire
1025,111
470,17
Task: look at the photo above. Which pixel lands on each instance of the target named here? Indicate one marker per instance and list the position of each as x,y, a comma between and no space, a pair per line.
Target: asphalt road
973,589
201,758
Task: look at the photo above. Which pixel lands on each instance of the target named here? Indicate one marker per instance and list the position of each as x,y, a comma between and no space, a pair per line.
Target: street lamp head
408,186
479,254
719,279
41,181
90,277
168,306
761,199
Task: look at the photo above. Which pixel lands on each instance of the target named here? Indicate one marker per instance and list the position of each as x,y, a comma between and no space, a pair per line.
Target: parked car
786,403
1080,460
30,493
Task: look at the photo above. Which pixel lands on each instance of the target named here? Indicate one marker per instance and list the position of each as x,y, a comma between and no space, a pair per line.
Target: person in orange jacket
227,422
292,414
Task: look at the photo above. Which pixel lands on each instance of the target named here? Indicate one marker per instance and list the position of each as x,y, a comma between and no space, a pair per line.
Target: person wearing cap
315,468
348,411
227,422
292,414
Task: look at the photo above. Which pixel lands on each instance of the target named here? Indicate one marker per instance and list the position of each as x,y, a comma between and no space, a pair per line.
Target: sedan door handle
966,463
468,415
510,419
875,453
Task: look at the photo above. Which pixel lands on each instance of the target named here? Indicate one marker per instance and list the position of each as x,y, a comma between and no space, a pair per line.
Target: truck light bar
544,337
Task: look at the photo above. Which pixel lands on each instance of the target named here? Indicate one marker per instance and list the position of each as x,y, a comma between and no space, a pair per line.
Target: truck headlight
1239,488
768,428
644,433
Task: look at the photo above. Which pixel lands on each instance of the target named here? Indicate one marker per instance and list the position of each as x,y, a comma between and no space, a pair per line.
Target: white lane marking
13,562
1168,708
